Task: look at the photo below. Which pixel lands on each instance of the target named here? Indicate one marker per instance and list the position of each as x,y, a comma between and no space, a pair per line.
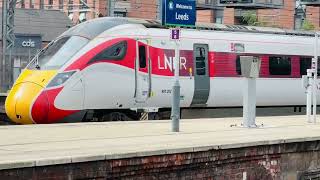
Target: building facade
34,29
291,16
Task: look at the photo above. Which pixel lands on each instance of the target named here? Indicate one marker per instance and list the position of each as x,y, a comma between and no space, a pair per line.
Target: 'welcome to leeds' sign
179,12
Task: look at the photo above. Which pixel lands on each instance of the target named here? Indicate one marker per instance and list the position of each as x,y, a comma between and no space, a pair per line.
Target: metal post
4,45
249,102
315,75
309,94
175,111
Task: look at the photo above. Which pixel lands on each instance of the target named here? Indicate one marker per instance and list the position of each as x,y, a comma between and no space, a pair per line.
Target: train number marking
166,91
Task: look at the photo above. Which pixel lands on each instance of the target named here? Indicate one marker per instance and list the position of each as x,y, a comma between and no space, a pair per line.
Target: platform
40,145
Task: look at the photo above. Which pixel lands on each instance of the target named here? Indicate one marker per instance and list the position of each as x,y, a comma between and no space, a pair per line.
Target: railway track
4,120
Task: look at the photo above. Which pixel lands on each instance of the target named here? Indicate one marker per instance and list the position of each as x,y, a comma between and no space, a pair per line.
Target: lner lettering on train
168,63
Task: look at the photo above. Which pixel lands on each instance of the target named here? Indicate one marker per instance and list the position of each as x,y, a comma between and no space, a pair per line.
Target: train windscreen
57,53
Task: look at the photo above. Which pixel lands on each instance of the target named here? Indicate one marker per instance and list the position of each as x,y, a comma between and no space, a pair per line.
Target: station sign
28,41
179,12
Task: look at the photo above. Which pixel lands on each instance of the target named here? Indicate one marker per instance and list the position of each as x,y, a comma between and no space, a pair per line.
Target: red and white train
108,67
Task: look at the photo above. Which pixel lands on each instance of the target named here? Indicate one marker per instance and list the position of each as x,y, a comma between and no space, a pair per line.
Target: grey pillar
111,5
159,10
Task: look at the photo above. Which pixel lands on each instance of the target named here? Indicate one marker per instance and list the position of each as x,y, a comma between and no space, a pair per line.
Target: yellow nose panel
23,94
20,102
38,77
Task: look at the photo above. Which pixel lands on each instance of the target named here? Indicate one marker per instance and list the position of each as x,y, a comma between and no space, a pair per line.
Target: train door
201,75
142,72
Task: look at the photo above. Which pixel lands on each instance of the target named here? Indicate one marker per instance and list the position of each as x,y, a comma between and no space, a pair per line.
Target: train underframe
161,114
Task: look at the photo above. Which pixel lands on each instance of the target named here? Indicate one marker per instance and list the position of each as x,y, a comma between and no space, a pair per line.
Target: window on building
84,3
41,4
219,20
115,52
82,17
70,16
120,14
142,57
70,4
31,3
22,4
280,65
60,4
218,15
50,4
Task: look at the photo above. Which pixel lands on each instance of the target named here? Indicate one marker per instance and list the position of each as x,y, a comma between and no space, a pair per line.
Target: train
113,68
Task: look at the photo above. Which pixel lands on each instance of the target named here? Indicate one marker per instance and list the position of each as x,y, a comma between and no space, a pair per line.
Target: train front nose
20,101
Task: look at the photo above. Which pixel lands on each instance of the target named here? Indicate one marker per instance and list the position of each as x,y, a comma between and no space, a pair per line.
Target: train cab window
200,61
57,53
279,65
115,52
142,57
305,63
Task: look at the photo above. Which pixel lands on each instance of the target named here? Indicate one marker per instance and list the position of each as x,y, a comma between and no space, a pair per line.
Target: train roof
94,27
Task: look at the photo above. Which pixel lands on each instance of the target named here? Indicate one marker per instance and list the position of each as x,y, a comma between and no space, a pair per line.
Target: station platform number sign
179,12
175,34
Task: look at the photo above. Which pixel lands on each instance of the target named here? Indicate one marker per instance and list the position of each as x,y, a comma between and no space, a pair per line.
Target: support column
175,112
249,102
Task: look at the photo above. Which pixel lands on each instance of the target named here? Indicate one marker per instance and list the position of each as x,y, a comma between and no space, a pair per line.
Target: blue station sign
179,12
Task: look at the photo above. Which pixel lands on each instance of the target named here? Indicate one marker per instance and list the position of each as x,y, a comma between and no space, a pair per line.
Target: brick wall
313,16
282,161
228,16
283,18
205,16
143,9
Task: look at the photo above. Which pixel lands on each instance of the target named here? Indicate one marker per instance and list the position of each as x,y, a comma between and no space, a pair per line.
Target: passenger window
142,57
305,63
200,61
279,65
238,65
115,52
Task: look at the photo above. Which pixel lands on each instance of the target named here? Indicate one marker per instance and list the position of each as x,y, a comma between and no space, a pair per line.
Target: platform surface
39,145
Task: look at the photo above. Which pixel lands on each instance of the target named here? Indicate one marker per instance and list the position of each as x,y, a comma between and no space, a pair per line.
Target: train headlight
60,79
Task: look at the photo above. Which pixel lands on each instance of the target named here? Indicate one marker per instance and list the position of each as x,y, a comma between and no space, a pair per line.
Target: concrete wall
281,161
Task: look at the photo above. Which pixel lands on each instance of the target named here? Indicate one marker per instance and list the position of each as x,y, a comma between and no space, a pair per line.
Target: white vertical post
249,102
250,68
175,111
309,94
315,75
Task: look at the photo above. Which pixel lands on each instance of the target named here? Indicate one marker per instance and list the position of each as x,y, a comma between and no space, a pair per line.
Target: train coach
115,68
